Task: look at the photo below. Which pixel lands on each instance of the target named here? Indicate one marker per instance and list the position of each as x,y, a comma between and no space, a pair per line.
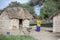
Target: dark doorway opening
20,21
20,24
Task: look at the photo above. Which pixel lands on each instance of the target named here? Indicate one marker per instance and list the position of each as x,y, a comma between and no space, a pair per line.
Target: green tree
50,6
14,4
36,2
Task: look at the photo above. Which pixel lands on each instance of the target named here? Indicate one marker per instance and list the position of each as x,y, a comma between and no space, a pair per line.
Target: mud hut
56,21
12,19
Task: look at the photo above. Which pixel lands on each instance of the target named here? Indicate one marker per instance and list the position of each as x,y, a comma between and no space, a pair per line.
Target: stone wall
26,23
56,23
8,25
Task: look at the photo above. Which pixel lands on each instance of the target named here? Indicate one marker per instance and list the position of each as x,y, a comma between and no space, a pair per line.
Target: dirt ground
44,34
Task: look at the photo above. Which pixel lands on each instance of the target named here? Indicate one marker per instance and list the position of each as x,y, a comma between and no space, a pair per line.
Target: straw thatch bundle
18,13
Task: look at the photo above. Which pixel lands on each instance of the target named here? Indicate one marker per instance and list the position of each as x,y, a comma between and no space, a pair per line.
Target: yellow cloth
39,22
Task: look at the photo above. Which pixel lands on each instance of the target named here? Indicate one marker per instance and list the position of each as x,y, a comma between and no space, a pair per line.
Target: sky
5,3
37,9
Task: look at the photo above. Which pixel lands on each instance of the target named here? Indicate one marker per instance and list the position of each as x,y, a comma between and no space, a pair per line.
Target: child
39,24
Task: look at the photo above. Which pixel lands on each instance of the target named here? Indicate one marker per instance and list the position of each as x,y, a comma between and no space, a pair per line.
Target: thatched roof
18,13
55,14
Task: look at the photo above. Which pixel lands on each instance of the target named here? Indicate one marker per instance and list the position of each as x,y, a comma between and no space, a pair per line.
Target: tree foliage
36,2
50,6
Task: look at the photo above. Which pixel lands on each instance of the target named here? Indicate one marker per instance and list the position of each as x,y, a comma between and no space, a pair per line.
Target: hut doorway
20,23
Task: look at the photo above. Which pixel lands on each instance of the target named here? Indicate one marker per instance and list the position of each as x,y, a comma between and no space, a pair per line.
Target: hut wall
4,21
26,23
15,23
56,23
8,25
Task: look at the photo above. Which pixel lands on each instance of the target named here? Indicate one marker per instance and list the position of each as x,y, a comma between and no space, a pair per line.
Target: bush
33,24
47,25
